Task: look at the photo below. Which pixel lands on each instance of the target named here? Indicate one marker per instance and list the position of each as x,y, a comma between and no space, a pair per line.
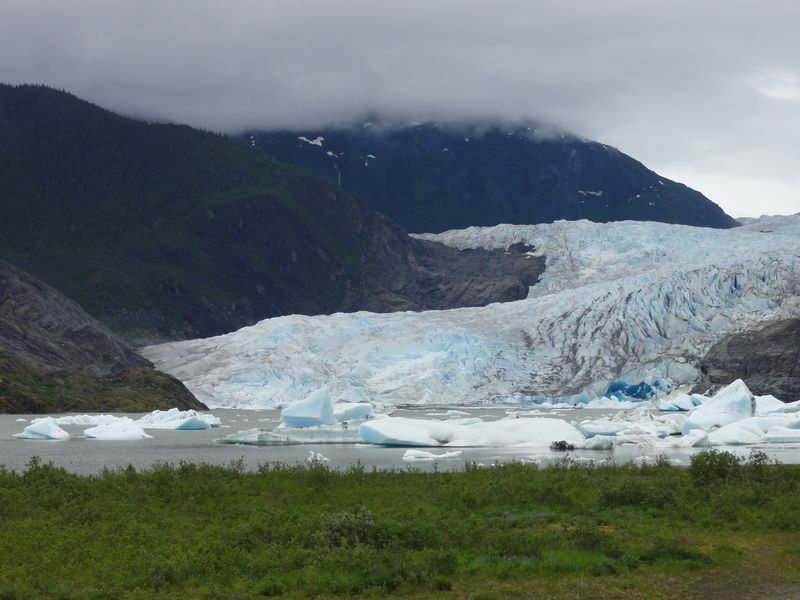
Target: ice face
630,301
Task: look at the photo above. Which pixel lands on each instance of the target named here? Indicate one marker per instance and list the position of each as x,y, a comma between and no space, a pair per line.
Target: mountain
54,357
628,306
430,177
164,231
766,357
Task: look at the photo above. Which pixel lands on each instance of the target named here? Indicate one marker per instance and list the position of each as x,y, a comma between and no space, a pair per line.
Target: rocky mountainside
164,231
767,358
54,357
39,324
430,178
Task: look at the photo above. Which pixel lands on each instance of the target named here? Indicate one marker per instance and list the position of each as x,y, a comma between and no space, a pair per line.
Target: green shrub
709,467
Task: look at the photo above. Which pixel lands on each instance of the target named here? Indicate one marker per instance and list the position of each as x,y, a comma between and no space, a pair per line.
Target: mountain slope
41,325
641,302
163,231
54,357
430,178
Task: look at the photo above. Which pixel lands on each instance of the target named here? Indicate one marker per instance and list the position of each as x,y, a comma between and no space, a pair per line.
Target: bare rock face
767,359
50,330
54,357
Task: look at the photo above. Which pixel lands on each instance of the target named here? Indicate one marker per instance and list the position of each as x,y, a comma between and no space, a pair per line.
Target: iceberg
289,437
751,430
423,456
732,403
783,435
43,429
123,429
352,411
315,409
536,432
680,402
180,420
769,404
315,458
82,420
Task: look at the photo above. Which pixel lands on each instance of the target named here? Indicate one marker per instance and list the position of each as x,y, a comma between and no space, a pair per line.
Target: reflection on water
89,456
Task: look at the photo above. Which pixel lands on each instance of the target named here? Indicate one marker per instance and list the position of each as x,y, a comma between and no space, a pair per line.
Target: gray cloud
704,92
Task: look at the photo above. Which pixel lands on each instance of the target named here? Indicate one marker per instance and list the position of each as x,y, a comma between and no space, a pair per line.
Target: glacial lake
92,456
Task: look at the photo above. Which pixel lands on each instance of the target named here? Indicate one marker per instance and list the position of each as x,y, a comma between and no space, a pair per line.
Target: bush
710,467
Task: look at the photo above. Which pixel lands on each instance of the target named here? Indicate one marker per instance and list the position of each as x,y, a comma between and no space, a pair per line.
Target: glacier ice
635,302
43,429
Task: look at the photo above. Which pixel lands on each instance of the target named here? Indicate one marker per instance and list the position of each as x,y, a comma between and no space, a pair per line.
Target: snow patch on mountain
636,301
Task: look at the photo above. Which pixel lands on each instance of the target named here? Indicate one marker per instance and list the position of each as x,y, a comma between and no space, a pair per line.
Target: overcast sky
704,91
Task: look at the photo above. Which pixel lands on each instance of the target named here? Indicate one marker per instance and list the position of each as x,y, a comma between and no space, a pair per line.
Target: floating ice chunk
783,435
43,429
83,420
693,439
732,403
315,458
599,442
769,404
681,402
314,409
21,420
423,456
183,420
751,430
602,427
614,403
119,430
352,411
397,431
332,434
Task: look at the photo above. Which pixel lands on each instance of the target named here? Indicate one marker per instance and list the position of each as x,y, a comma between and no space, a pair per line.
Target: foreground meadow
723,528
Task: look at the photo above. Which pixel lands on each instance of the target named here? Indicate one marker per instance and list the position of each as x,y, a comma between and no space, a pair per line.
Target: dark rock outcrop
430,177
42,325
54,357
766,358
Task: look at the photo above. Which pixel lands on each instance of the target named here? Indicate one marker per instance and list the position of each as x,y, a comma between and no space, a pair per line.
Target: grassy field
723,528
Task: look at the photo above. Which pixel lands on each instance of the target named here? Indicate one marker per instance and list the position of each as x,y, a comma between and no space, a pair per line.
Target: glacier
619,305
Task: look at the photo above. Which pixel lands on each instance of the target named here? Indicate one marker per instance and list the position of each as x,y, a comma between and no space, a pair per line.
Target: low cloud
708,90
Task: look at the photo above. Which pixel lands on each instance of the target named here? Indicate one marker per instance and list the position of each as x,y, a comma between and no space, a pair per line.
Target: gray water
92,456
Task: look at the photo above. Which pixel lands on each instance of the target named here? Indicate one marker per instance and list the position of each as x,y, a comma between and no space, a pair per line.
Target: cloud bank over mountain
708,94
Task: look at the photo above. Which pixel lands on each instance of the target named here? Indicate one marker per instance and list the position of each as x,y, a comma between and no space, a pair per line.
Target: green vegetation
164,230
26,388
721,529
